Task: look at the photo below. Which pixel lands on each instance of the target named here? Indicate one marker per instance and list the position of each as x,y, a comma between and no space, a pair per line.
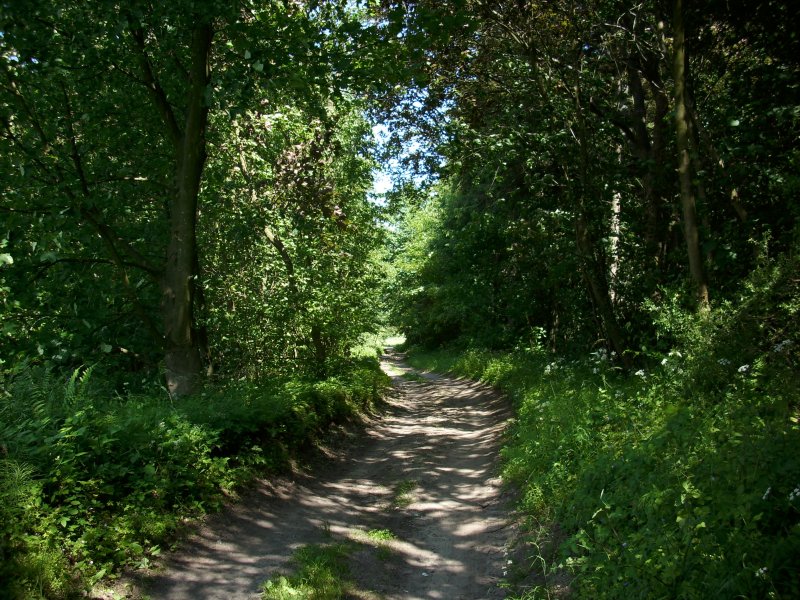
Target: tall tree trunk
690,227
182,355
593,272
639,140
598,288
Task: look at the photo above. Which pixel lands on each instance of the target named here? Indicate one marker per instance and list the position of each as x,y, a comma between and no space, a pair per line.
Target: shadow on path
426,471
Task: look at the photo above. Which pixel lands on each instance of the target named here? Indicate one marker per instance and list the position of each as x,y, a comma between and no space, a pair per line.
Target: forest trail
426,470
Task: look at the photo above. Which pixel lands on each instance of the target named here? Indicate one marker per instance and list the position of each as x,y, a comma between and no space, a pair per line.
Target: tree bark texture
593,272
598,288
182,355
683,138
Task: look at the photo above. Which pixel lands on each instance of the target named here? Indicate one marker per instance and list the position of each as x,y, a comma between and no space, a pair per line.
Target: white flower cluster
641,373
761,572
744,368
724,362
795,493
672,353
781,346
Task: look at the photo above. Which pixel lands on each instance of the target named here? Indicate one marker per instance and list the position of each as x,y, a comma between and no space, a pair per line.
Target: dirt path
426,471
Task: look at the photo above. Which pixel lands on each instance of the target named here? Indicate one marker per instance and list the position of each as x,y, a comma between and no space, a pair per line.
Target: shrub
91,482
681,480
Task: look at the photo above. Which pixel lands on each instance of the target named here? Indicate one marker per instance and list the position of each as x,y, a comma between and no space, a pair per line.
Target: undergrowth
323,571
91,482
681,480
322,574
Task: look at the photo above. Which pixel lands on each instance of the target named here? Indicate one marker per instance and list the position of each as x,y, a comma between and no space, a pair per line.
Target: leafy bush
90,482
681,480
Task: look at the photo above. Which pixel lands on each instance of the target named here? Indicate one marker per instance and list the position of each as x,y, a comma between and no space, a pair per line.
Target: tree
682,119
102,104
560,114
289,262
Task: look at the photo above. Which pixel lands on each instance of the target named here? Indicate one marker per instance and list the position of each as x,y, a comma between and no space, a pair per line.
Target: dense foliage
183,185
678,481
91,481
190,254
619,182
188,261
559,205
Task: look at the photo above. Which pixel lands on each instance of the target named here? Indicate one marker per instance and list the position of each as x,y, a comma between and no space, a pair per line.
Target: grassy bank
91,481
680,480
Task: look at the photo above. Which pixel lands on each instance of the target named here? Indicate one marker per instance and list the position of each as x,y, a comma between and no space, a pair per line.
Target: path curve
426,471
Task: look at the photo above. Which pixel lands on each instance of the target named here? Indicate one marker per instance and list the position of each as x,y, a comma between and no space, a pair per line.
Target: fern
75,391
16,479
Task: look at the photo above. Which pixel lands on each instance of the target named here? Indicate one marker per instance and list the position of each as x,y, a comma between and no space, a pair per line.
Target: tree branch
73,144
615,120
80,261
112,239
33,156
37,127
157,92
272,238
45,210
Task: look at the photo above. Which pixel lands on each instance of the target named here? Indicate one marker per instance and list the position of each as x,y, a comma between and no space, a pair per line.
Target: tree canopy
596,159
177,176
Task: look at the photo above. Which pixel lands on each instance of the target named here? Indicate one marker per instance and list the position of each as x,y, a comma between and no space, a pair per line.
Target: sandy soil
426,471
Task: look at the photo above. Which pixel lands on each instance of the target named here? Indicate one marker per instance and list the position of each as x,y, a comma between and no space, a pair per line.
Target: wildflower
724,362
664,361
769,489
744,368
795,493
761,572
640,373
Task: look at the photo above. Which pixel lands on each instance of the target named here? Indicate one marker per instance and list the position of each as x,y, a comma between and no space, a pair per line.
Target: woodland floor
425,470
